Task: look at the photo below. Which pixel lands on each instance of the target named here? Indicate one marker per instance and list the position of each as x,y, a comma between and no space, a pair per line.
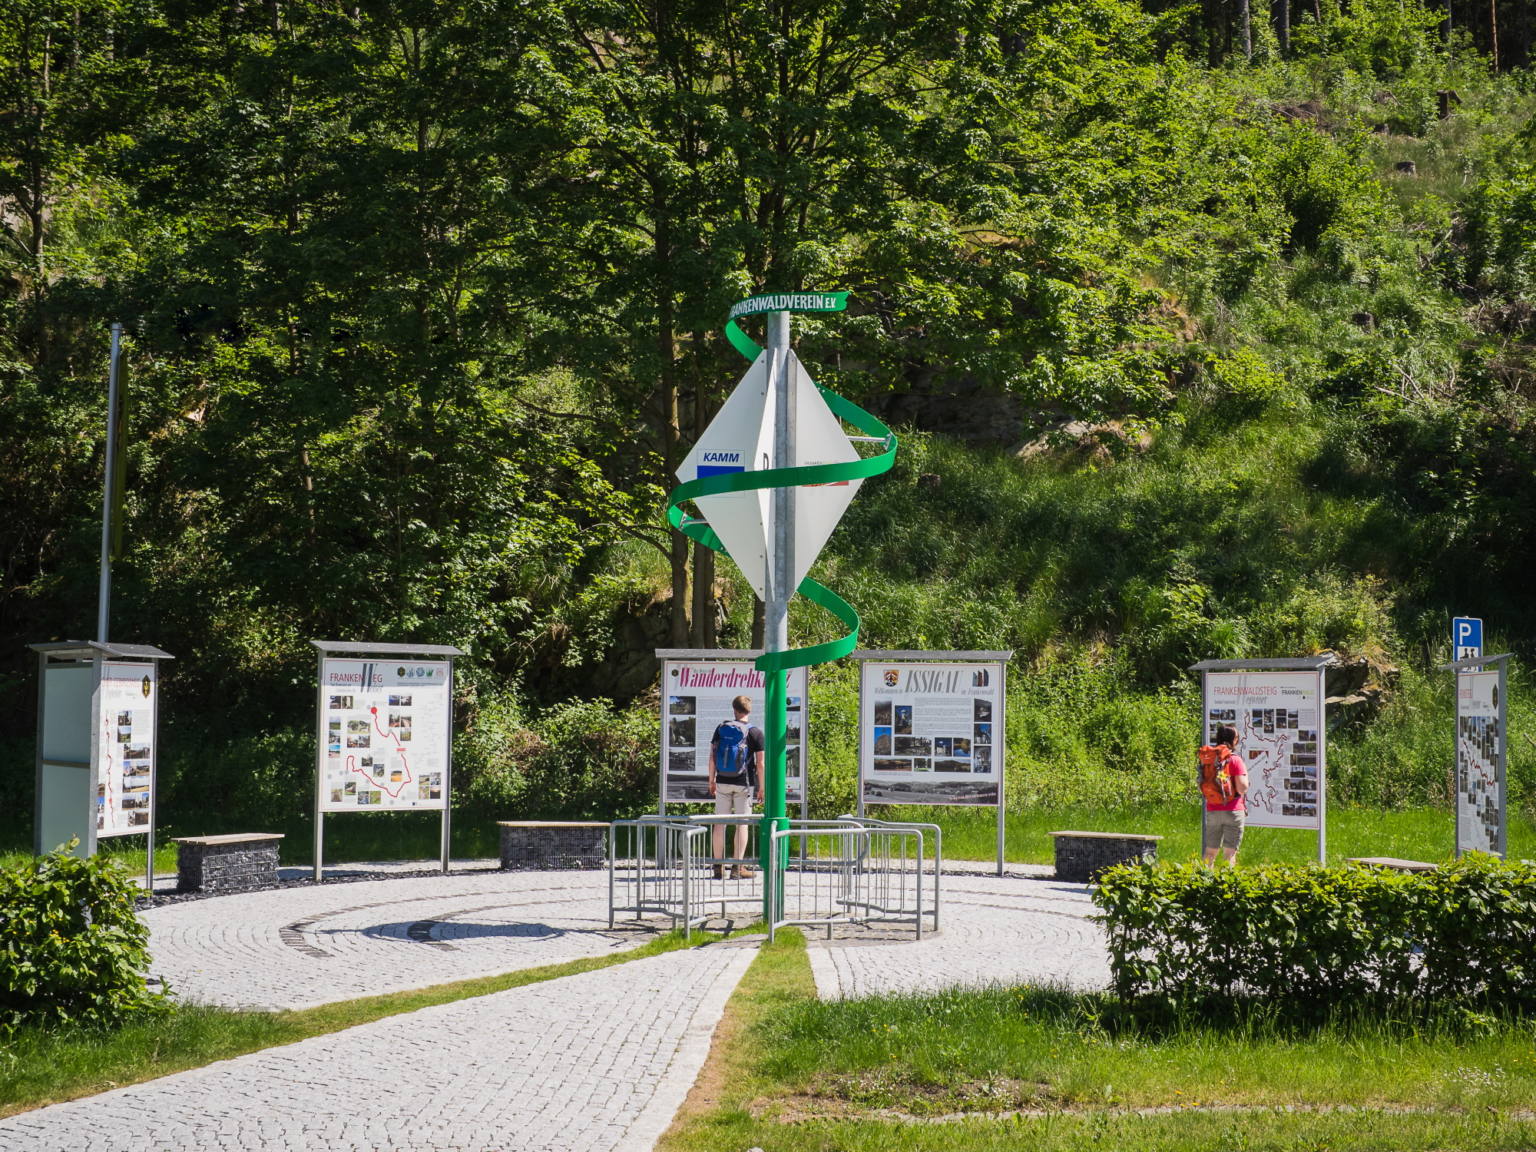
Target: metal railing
851,870
856,871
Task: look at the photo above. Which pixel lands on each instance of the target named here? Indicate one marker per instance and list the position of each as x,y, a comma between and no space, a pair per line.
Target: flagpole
110,494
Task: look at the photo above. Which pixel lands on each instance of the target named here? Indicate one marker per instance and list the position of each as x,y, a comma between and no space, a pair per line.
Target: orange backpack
1215,784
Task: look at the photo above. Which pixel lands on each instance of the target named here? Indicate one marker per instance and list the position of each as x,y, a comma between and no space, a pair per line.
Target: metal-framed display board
97,717
932,729
383,731
1279,709
697,687
1482,744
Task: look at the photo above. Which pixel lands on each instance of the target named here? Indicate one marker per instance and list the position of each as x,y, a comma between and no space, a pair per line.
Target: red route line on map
394,794
1273,747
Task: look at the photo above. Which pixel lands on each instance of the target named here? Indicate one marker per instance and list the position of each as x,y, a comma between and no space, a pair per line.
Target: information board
125,770
696,699
387,726
1279,722
1480,735
931,733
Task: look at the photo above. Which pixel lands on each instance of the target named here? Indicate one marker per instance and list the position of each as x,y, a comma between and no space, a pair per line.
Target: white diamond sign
740,439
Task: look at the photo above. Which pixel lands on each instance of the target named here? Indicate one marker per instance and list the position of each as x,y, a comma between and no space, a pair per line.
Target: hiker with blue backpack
735,778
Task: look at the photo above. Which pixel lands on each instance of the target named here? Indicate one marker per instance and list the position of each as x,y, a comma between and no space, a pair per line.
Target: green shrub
72,948
583,759
1312,939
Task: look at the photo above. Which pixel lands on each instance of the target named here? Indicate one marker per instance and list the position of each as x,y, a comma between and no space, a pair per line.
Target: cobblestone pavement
595,1062
1006,930
298,947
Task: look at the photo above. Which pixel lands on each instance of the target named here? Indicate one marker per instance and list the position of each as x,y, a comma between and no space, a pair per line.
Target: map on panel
1280,738
386,732
126,768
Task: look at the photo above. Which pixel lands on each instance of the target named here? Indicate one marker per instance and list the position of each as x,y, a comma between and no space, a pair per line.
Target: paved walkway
995,930
298,947
590,1063
599,1061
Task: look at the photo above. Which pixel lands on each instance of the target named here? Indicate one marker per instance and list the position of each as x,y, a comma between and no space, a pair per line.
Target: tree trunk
1245,28
1493,33
671,424
1213,16
703,628
1283,26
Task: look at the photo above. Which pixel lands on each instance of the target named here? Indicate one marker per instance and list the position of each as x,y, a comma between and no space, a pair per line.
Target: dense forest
1210,330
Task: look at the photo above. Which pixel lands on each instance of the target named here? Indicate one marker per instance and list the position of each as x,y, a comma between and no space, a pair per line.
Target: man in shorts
1224,822
735,777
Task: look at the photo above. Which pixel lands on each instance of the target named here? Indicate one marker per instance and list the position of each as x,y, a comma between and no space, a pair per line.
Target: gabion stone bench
234,862
550,845
1392,863
1081,856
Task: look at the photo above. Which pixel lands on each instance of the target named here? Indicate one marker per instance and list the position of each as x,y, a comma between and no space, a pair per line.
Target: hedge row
72,947
1314,938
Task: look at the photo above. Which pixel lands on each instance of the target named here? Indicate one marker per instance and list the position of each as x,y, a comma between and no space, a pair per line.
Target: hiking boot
719,871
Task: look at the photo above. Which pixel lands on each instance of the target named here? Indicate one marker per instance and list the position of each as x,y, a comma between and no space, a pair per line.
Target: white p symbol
1463,631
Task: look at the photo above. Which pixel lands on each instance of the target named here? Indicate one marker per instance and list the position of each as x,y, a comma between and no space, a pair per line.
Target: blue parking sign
1466,637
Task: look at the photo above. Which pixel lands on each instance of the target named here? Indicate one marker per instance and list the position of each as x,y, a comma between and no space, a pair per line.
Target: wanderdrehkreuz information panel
1279,722
696,699
931,733
387,728
1479,747
126,769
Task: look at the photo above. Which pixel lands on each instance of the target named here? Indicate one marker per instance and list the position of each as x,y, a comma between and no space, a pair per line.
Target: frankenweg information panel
387,730
1479,752
696,699
1279,722
126,768
931,733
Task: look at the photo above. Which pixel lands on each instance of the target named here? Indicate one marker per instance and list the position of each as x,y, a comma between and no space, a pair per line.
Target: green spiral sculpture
698,529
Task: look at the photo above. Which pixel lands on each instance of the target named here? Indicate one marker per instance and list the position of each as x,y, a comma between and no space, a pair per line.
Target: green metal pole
775,730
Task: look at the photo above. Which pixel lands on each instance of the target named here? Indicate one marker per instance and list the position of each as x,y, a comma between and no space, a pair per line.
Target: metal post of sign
319,776
1205,738
149,839
448,775
999,749
858,771
1503,760
1322,767
780,576
110,494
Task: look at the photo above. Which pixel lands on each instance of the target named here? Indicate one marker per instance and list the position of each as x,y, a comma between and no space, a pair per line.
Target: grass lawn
1029,1068
1409,833
41,1066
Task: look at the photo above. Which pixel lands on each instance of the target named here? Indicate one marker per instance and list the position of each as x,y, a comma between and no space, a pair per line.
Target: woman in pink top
1224,822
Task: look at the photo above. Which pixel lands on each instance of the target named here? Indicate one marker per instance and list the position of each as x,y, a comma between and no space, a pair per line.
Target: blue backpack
731,749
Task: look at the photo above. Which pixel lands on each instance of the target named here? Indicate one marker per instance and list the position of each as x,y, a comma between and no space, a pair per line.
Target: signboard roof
83,649
351,648
1471,663
1278,664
